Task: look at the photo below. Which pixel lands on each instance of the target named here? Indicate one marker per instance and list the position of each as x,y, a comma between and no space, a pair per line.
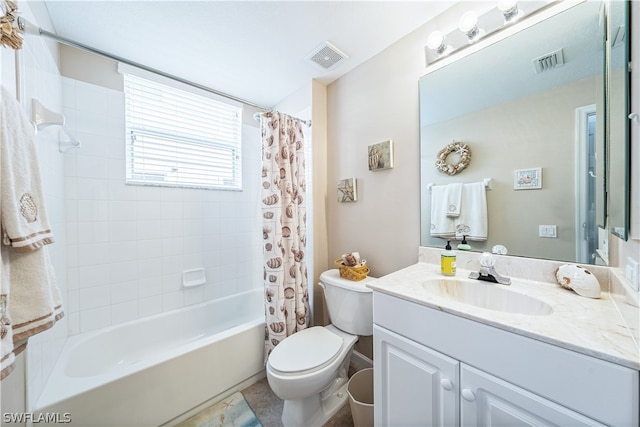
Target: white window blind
180,139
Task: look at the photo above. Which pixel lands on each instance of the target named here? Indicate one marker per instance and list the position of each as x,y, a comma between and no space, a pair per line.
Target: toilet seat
305,350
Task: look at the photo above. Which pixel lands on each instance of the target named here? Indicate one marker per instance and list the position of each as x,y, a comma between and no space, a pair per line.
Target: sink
486,295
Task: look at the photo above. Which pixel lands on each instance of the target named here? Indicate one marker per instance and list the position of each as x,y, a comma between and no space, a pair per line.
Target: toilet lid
304,350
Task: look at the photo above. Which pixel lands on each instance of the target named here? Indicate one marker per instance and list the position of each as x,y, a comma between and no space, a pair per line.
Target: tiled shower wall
127,245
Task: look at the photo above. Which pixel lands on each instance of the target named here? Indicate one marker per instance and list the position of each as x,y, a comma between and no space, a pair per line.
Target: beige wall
373,103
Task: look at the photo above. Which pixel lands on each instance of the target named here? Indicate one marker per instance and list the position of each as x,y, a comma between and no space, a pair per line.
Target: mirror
516,118
617,118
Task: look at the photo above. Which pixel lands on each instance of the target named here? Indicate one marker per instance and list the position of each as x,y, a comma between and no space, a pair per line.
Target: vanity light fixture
436,42
510,10
468,24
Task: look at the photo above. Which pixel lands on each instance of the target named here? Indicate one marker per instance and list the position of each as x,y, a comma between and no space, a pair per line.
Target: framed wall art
347,190
381,156
527,179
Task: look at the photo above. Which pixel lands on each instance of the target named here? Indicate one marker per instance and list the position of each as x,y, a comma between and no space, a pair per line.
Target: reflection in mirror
515,116
617,119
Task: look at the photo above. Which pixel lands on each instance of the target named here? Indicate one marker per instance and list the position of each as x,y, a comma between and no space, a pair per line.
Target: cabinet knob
446,384
468,395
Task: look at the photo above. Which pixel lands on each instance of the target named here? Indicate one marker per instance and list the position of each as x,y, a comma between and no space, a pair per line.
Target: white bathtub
150,371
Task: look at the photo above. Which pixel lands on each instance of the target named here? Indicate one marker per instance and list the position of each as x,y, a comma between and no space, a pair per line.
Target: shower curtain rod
29,28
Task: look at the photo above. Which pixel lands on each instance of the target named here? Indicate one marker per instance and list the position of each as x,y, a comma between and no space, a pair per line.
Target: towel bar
488,182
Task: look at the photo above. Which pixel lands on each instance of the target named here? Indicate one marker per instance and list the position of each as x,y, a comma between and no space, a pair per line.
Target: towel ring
459,148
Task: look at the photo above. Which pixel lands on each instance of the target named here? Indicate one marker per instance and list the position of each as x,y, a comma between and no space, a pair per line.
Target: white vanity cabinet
435,368
418,386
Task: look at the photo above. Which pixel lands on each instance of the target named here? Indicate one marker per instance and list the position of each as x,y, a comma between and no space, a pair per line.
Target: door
489,401
414,385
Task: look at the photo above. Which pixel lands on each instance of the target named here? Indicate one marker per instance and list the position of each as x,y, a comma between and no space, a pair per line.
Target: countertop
593,327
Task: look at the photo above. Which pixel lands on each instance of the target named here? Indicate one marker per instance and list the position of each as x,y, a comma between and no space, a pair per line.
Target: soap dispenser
464,246
448,261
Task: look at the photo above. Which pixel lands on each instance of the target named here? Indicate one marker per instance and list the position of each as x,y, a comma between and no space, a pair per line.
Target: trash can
360,389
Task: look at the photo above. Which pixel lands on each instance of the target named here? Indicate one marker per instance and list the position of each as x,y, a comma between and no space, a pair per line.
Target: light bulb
509,9
469,23
435,41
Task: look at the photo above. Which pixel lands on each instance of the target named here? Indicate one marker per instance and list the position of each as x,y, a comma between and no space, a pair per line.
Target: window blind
179,138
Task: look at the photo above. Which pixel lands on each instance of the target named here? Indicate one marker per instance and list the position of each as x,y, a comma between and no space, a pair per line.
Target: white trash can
360,389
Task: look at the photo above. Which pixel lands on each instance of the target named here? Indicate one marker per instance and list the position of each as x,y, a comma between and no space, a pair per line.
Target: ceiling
252,50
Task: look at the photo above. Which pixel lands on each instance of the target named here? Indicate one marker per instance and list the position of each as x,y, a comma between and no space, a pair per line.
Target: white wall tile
96,318
124,291
123,271
124,312
135,241
97,296
122,210
123,231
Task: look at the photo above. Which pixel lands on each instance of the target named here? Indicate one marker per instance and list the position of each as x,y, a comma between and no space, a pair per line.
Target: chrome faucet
487,272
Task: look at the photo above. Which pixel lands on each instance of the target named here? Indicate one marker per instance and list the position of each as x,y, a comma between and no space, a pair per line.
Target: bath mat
233,411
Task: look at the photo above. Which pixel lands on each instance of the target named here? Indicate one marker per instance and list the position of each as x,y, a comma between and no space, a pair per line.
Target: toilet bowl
309,369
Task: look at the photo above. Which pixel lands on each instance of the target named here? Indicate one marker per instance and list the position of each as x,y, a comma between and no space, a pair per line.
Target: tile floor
268,407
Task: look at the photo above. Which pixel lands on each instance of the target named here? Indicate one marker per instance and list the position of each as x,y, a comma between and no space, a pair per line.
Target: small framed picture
381,156
527,179
347,190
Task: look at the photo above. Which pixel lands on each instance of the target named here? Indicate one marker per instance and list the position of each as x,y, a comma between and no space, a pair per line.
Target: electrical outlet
631,273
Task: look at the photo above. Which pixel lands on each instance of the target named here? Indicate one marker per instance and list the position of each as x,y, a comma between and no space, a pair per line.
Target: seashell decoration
274,262
578,279
277,326
269,295
459,148
271,200
28,208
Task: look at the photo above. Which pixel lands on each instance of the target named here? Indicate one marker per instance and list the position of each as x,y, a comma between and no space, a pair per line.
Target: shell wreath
458,148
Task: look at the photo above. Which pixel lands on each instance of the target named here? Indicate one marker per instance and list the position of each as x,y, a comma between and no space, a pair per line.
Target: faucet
487,272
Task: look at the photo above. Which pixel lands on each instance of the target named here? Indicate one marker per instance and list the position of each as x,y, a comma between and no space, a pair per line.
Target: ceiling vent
326,56
549,61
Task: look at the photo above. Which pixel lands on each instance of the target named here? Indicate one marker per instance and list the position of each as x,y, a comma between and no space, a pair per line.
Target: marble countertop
589,326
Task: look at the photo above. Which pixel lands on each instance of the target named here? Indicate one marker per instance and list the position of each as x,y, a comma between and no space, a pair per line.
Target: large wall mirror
516,117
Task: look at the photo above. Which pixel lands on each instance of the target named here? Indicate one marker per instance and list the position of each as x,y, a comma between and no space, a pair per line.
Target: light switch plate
631,272
548,231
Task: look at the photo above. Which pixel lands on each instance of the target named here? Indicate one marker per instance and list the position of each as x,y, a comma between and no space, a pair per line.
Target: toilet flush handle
321,285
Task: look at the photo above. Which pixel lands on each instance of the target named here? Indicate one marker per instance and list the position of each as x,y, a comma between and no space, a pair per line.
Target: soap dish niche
195,277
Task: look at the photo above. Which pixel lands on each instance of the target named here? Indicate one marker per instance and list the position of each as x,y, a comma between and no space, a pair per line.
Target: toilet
308,369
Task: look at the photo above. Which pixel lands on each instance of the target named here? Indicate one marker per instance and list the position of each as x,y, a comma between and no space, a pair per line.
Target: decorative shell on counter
578,279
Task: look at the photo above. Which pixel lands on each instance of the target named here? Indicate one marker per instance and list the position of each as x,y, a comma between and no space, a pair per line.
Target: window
179,138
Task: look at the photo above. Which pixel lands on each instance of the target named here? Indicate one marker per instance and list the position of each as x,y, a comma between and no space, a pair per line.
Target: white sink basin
491,296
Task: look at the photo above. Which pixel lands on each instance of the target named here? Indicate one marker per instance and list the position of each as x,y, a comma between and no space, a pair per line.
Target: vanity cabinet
418,386
435,368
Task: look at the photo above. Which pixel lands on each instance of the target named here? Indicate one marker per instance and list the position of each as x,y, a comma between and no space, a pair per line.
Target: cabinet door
414,385
490,401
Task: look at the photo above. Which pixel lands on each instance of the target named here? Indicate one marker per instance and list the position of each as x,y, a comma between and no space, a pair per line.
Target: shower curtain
284,228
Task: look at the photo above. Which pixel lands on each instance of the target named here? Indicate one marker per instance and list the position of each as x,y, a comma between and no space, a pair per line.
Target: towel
454,198
29,296
441,225
35,302
7,355
473,219
24,221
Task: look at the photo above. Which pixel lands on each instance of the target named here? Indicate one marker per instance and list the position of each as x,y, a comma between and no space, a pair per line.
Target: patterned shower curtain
284,228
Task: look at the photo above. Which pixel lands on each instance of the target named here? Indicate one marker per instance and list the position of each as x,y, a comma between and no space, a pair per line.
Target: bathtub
150,371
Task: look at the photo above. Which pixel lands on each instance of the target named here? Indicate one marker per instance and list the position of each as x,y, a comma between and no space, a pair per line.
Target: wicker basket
352,273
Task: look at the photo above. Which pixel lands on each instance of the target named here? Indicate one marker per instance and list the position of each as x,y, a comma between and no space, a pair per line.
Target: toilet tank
350,303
